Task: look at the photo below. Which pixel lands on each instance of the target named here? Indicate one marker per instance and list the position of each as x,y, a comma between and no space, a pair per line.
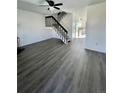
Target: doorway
80,29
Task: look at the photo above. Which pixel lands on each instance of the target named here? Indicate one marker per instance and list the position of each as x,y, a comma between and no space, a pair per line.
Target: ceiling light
51,8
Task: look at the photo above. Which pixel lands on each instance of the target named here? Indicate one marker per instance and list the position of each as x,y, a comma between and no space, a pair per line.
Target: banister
57,23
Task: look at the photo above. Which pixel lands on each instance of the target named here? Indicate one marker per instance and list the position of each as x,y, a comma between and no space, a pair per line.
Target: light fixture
51,8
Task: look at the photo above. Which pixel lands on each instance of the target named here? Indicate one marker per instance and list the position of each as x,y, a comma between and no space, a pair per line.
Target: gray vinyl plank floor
53,67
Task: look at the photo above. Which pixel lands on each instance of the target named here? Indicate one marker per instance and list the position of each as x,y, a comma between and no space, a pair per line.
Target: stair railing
51,21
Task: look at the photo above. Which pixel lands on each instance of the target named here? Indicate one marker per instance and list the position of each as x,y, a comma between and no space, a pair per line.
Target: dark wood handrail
58,23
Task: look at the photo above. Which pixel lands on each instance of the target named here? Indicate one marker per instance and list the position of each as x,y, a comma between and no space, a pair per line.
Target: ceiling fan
52,4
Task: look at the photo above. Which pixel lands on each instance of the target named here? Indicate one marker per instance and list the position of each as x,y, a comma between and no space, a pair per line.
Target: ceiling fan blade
56,8
59,4
50,2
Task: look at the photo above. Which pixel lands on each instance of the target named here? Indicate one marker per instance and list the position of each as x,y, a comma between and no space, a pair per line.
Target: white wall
31,27
96,27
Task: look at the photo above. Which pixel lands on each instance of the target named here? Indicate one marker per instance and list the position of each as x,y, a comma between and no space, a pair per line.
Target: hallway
53,67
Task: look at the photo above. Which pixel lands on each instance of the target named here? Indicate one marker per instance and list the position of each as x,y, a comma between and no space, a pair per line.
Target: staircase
60,30
61,15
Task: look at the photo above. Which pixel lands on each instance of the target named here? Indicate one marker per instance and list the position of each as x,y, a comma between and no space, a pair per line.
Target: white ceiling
68,5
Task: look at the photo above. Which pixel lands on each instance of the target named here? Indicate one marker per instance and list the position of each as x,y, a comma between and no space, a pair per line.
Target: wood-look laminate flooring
53,67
